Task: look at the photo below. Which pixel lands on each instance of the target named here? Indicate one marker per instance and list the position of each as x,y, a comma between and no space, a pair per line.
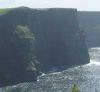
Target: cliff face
90,23
58,40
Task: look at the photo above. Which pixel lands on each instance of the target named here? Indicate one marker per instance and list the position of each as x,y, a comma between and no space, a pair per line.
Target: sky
81,5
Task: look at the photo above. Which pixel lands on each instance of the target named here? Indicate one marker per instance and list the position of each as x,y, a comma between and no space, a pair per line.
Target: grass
75,88
4,11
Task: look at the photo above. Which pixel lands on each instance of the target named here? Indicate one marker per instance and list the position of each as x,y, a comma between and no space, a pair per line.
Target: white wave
95,48
93,62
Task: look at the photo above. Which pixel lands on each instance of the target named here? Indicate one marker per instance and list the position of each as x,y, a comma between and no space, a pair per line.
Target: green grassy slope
4,11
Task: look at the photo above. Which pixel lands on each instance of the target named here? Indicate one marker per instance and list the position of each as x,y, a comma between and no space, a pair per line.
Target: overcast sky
83,5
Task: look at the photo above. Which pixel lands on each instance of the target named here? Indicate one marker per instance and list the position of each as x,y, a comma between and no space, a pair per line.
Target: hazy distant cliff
58,40
90,22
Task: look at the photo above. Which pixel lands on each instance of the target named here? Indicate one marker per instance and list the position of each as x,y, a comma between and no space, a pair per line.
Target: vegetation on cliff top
4,11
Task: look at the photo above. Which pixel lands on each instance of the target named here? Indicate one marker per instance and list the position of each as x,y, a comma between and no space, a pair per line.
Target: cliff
58,40
90,22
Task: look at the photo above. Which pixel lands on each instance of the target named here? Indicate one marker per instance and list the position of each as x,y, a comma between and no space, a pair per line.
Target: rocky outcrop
17,60
58,39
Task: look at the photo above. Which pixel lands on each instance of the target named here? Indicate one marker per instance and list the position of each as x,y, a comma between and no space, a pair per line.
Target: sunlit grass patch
75,88
4,11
